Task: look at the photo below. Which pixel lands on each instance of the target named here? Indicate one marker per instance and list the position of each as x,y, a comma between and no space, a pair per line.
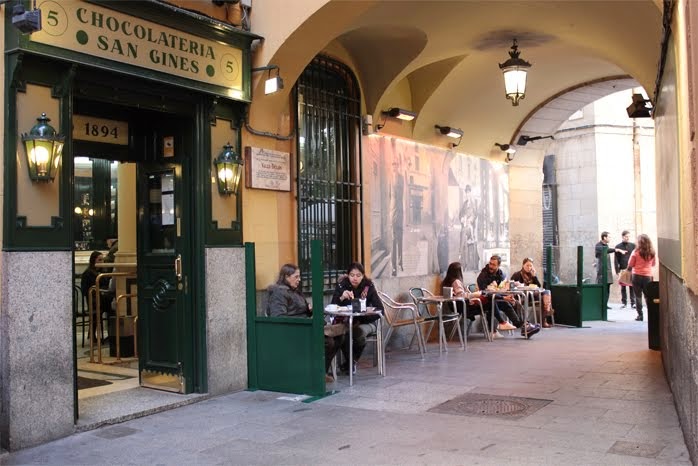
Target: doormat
481,404
84,382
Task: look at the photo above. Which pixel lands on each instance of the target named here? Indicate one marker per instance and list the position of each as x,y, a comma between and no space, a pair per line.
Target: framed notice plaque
267,169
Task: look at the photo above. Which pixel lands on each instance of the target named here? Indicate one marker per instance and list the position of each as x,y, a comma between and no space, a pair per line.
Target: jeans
623,295
332,345
640,283
506,308
359,333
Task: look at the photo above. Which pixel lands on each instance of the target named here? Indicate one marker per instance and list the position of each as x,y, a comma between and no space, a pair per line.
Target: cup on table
447,292
331,307
363,305
355,305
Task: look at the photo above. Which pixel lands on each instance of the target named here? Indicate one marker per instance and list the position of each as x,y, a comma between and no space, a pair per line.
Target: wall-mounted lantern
228,170
43,148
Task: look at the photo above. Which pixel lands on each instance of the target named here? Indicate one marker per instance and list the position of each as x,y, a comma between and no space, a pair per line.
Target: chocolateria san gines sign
90,29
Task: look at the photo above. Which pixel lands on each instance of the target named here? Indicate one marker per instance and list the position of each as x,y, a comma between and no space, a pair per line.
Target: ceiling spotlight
449,131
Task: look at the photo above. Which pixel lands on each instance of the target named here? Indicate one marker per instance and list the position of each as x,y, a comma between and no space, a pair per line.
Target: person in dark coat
598,253
286,299
356,285
493,274
88,279
621,263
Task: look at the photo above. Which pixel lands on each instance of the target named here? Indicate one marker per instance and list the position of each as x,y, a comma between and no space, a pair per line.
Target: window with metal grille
329,168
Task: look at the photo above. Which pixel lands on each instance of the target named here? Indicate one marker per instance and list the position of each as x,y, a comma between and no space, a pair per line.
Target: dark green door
165,326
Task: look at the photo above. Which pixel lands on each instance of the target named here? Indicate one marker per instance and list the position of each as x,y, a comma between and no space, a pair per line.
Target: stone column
525,209
36,348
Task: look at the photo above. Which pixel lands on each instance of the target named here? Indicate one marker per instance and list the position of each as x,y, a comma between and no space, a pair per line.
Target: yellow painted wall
37,201
223,208
270,217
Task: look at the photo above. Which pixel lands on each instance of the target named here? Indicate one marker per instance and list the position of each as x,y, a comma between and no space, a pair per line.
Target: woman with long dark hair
356,285
454,280
641,262
527,276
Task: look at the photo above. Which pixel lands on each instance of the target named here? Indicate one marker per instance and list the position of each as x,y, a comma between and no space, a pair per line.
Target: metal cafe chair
401,315
537,307
432,317
82,320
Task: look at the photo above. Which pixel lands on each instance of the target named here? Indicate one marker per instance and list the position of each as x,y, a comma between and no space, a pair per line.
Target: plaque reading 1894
267,169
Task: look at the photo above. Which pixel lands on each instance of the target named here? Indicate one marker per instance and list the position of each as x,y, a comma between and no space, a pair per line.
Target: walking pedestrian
641,262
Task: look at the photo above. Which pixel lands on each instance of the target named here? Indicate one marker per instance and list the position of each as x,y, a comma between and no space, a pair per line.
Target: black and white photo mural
431,206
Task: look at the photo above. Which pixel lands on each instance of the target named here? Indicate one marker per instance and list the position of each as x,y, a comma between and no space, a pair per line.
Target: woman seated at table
88,279
286,299
356,285
527,276
454,279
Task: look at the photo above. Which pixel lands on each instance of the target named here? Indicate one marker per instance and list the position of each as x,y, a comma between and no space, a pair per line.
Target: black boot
639,317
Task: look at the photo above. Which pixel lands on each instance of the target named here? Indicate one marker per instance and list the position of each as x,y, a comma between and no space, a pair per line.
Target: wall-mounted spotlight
451,132
514,71
228,170
509,149
640,108
400,114
26,21
43,148
272,84
523,139
395,112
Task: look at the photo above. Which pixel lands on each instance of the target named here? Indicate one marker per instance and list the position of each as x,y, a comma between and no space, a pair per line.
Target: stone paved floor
610,405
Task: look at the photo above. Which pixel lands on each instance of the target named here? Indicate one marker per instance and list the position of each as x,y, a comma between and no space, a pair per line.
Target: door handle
178,267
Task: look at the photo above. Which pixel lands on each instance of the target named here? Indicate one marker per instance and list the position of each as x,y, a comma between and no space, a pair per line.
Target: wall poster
431,206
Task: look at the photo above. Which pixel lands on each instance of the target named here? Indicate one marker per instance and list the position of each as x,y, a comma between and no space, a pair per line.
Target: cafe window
329,168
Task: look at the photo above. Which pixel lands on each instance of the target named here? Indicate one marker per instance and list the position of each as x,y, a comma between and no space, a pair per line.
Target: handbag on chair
335,330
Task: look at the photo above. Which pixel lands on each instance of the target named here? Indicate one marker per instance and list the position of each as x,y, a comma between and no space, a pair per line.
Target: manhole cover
490,407
480,404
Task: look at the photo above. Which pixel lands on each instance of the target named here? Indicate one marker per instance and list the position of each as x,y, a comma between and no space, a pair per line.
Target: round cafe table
346,311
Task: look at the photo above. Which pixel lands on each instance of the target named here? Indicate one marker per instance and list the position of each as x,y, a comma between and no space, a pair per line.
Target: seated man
492,274
286,299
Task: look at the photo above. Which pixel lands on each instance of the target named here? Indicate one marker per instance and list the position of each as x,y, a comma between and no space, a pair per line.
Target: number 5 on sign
87,128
